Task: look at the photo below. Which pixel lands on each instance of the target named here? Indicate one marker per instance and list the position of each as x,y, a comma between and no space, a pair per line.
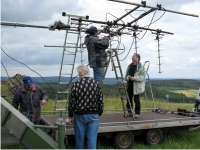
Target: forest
160,89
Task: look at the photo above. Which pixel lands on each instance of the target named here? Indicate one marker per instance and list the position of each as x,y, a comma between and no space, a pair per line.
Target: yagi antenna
158,37
159,7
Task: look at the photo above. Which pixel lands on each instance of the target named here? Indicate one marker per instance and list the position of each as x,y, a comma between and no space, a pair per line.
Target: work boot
137,116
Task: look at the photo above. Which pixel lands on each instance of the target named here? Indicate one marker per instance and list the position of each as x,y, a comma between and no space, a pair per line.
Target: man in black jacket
97,56
85,108
30,97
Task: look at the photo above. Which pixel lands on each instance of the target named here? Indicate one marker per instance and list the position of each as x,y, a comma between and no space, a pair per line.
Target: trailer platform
150,125
113,122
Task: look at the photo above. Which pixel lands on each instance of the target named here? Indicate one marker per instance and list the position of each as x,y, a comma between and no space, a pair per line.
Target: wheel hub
154,137
124,140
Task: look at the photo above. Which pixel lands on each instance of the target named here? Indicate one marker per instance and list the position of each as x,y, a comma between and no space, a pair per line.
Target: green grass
175,140
116,104
5,91
188,93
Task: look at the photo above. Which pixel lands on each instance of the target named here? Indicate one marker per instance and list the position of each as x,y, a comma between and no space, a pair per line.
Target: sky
179,55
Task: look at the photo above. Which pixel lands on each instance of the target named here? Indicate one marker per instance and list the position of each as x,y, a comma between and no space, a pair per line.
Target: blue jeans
86,124
98,73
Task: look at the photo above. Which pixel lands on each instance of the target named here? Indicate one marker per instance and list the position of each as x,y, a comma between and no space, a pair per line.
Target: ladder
148,80
69,53
112,54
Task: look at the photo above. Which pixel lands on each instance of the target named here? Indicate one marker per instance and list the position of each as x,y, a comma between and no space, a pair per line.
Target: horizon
105,77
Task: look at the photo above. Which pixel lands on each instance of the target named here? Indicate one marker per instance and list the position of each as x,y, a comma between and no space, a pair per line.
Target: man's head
83,71
136,57
93,30
27,82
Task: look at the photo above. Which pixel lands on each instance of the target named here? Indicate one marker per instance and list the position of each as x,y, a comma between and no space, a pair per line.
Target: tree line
160,89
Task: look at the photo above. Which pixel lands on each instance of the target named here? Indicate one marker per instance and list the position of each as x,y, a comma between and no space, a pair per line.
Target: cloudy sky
180,53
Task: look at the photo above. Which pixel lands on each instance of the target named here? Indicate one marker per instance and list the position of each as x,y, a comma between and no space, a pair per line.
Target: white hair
83,69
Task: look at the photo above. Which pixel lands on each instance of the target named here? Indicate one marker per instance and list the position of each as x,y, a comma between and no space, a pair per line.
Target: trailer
151,125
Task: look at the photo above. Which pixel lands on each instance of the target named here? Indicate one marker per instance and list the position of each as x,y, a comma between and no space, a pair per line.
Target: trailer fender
153,137
123,140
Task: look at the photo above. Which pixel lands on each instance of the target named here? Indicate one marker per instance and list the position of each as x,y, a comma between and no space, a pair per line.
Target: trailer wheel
124,140
153,137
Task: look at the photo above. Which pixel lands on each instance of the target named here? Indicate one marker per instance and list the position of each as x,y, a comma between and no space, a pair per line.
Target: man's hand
43,102
71,121
105,38
131,78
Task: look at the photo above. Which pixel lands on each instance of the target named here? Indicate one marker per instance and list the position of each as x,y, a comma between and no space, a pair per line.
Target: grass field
188,93
116,104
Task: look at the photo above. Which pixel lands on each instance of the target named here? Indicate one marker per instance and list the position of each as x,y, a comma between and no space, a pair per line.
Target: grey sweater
96,47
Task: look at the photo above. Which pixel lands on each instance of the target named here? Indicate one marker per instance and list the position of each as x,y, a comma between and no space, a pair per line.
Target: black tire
124,140
153,137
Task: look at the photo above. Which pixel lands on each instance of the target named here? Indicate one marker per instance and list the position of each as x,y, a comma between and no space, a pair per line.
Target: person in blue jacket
30,97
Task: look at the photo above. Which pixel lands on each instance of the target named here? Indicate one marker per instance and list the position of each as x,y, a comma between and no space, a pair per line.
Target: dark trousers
136,100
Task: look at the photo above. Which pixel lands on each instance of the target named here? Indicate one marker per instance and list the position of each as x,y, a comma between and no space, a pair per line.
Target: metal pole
69,15
131,3
143,15
111,53
28,25
135,37
61,135
159,55
45,127
94,21
126,14
103,22
81,47
38,26
155,30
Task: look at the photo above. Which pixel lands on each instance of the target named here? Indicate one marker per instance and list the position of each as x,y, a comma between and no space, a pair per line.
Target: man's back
86,97
85,108
96,47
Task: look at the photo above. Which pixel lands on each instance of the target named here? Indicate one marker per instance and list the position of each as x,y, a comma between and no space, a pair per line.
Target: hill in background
54,79
178,90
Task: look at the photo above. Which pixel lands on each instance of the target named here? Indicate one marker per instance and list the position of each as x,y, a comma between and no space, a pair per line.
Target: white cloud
195,60
151,46
168,60
193,7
